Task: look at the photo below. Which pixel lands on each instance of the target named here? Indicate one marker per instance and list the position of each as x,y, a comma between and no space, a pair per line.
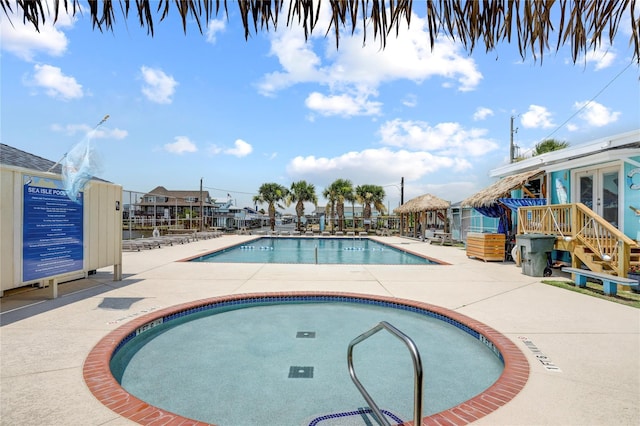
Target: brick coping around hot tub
98,377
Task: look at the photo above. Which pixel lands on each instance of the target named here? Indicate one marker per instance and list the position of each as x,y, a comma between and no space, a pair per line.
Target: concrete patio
594,344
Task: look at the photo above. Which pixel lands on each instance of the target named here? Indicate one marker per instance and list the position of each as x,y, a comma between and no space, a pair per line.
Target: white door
598,189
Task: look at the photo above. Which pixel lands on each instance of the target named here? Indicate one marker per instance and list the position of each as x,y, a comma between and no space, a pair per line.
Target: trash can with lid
534,251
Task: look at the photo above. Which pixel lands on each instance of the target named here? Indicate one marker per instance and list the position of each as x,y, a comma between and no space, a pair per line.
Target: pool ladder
417,368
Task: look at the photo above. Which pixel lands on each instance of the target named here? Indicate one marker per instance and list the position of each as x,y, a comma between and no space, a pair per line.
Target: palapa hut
424,212
495,201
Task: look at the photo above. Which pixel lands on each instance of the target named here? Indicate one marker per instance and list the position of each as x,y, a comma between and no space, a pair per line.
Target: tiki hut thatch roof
500,189
423,203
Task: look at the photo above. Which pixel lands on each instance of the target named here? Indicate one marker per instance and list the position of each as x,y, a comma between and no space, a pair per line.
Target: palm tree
351,198
549,145
272,194
532,25
302,192
338,192
368,195
330,209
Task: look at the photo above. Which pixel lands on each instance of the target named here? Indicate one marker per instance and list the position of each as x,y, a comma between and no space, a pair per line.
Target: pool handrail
417,368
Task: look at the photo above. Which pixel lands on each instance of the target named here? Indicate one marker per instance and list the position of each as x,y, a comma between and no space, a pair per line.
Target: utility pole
401,203
511,150
512,146
201,208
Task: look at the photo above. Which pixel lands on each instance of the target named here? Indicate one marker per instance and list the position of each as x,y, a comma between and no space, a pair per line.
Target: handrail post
417,368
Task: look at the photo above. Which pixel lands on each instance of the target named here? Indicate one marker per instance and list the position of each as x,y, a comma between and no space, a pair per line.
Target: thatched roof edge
423,203
500,189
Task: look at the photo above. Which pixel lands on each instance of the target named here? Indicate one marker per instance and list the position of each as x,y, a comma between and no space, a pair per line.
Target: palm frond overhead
534,25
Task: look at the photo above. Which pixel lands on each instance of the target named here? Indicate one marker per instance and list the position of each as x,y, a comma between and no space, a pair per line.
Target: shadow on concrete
34,301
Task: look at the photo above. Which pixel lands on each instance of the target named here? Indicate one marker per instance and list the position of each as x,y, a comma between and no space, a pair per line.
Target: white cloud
271,156
99,133
537,117
159,87
450,191
214,149
344,104
410,101
181,145
22,40
482,113
105,133
359,70
55,83
386,163
214,27
602,57
443,138
596,114
297,59
240,149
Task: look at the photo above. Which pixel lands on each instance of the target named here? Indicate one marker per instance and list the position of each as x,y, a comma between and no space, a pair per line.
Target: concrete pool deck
594,343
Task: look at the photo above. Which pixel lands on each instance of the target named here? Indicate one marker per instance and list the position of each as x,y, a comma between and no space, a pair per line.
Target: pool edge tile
104,387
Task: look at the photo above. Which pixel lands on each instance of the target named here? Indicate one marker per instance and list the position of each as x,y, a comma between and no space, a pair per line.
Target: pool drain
296,372
306,335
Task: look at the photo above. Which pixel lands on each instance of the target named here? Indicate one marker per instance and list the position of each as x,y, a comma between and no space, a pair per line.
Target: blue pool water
354,251
284,363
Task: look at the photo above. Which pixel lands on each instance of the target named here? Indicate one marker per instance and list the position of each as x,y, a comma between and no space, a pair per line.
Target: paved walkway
593,343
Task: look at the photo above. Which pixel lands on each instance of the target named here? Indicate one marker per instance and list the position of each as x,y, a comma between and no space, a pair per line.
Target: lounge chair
148,243
131,245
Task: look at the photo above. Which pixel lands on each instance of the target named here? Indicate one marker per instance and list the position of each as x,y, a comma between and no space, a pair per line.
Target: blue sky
273,108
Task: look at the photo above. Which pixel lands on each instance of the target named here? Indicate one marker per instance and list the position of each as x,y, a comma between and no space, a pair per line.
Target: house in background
183,209
161,207
227,215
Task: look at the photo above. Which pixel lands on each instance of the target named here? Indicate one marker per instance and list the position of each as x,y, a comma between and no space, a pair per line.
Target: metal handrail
417,368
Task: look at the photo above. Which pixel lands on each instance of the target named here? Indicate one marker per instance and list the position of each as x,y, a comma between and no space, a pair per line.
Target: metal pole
201,208
130,217
511,148
401,203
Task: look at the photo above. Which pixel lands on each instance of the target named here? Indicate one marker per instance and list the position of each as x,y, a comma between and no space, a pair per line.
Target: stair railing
578,222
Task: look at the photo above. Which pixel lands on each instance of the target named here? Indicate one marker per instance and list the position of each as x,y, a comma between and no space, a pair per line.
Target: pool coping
97,374
259,237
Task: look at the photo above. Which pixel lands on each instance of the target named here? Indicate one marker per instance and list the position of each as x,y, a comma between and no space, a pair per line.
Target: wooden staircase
592,241
594,262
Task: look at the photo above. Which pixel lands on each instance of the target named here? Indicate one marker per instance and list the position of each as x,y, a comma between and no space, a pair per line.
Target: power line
229,191
590,100
582,108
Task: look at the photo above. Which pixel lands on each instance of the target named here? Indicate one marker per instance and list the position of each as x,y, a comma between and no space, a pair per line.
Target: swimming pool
300,352
354,251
